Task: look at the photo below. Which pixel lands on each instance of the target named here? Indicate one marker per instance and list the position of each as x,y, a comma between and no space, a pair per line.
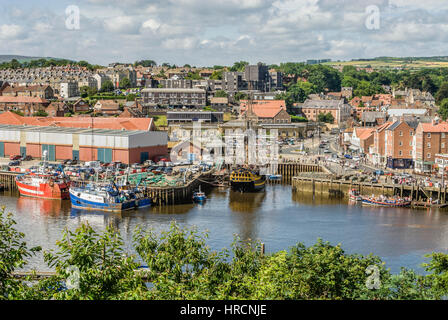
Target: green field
394,63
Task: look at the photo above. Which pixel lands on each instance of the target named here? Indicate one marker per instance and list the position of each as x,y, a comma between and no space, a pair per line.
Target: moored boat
102,197
354,195
245,180
199,196
43,185
383,201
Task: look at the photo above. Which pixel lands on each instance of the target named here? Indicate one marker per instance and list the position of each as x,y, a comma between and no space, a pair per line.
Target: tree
40,113
221,94
443,109
240,96
325,117
103,268
442,93
107,86
131,97
125,83
239,66
13,254
145,63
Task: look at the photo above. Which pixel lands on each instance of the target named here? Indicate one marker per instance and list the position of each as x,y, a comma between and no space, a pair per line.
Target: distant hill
21,59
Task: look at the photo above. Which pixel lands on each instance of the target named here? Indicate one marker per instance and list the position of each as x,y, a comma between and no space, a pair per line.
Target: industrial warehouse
82,144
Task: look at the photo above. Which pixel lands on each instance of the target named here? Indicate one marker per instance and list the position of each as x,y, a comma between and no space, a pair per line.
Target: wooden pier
8,180
340,188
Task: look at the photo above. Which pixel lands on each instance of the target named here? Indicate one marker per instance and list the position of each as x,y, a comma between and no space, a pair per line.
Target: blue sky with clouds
209,32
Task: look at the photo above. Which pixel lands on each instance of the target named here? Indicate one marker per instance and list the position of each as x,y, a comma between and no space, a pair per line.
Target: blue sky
209,32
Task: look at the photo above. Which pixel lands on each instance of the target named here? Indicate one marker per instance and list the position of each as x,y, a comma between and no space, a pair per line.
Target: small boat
43,185
95,196
199,196
382,201
275,177
354,195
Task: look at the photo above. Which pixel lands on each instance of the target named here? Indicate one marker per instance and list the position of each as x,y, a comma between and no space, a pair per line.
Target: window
443,144
443,134
429,144
400,153
401,133
400,143
410,143
411,133
410,153
428,155
429,135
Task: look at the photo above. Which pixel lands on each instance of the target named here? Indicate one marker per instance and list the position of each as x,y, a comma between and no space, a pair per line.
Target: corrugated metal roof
107,132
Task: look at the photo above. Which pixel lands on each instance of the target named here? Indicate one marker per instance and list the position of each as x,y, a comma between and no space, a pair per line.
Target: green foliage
125,83
221,94
20,113
442,93
193,75
145,63
105,271
180,265
298,119
326,117
240,96
131,97
87,91
239,66
443,109
40,113
13,254
107,86
43,63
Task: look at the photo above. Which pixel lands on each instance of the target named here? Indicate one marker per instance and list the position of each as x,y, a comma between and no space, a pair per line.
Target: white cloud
11,31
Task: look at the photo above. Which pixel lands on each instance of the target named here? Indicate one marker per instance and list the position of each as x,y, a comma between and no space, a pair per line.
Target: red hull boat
43,186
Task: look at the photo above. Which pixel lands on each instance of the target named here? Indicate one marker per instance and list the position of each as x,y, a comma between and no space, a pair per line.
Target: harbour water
278,217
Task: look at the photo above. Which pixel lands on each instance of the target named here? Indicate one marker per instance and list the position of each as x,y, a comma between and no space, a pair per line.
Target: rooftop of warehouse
106,132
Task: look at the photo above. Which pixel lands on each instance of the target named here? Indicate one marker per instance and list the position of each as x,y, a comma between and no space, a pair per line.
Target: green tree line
95,266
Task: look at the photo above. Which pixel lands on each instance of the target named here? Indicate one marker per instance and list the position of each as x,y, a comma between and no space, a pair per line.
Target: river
278,217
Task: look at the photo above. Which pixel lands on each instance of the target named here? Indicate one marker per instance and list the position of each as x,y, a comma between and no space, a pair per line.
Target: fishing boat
141,201
383,201
354,195
94,196
199,196
43,185
245,180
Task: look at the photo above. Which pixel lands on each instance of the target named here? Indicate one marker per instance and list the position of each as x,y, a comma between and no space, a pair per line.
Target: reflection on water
278,217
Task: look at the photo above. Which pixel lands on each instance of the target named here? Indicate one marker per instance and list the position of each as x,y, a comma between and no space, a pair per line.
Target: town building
265,111
191,116
193,98
339,110
69,89
430,139
107,107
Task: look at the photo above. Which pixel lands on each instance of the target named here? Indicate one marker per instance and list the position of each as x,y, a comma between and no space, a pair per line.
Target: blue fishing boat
94,196
199,196
141,201
275,177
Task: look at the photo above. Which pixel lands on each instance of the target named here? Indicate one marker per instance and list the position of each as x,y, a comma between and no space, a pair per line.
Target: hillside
396,62
21,59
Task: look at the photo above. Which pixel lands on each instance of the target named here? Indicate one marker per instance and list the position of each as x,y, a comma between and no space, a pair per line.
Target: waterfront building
430,139
84,144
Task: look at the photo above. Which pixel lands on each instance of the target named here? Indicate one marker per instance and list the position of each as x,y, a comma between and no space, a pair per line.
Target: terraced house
430,139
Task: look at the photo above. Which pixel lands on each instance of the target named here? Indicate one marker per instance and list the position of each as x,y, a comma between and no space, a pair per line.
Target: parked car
15,157
347,156
356,158
379,172
26,158
14,163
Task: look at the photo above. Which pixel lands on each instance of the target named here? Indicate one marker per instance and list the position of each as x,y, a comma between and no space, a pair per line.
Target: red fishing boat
44,185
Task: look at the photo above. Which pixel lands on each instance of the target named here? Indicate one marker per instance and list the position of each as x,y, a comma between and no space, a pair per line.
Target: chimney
435,121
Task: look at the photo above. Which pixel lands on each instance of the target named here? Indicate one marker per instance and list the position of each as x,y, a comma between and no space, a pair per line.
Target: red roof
364,133
130,124
440,127
7,99
264,108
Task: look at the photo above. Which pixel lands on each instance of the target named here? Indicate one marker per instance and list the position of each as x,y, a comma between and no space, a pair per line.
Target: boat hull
248,186
143,203
44,191
393,204
83,201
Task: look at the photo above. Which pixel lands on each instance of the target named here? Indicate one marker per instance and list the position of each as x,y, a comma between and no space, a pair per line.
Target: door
2,149
100,154
51,152
144,156
75,155
23,151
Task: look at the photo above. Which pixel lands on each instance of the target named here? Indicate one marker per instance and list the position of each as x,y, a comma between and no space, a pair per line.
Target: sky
220,32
